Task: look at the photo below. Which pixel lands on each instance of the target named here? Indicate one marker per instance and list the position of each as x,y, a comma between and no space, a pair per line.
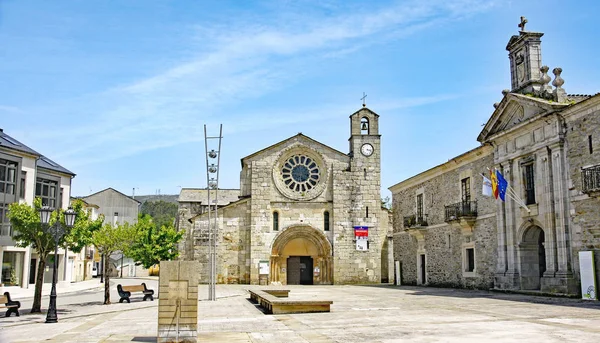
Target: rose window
300,173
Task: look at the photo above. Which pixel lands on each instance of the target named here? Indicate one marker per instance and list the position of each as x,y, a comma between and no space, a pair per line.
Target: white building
24,175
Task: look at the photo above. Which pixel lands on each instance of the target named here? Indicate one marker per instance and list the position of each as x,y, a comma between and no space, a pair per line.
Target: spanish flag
494,179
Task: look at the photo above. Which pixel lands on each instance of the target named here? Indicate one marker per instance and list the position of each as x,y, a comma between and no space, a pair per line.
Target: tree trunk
106,281
39,282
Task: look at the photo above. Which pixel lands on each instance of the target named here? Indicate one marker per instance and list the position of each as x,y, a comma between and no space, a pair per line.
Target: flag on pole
487,187
502,185
494,181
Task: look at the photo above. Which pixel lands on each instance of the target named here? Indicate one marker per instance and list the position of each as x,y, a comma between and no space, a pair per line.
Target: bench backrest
134,288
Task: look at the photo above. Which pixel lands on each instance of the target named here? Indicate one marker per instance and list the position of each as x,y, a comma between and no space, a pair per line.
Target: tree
28,231
162,212
80,235
154,243
109,239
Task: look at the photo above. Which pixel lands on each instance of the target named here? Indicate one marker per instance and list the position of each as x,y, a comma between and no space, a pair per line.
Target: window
23,181
419,208
300,173
8,190
275,221
590,144
529,184
46,190
115,218
465,187
470,260
326,221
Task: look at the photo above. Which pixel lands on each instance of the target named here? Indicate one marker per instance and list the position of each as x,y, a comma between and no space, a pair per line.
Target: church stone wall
444,244
584,212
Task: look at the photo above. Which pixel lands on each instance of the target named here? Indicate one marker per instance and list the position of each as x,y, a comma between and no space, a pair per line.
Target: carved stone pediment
514,110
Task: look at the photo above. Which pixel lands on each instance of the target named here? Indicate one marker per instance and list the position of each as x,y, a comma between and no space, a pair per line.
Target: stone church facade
294,217
546,143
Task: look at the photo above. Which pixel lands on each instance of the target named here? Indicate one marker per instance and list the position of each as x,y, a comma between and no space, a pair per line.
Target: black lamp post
57,230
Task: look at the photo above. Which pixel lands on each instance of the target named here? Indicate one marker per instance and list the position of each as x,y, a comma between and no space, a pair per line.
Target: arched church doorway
532,255
301,255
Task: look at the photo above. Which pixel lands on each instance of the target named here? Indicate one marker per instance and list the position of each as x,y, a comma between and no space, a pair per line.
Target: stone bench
276,301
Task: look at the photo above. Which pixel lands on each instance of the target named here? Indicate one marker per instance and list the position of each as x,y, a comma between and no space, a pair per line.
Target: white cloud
237,63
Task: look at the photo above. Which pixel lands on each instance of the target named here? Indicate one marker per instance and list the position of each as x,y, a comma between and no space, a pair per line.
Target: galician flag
487,187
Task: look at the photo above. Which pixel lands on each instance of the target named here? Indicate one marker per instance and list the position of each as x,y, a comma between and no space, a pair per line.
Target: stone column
512,270
563,239
547,210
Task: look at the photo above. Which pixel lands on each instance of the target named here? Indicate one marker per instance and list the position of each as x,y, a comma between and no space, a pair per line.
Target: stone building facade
294,220
546,144
443,225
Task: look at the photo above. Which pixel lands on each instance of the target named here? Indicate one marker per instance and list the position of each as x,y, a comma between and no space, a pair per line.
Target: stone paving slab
386,314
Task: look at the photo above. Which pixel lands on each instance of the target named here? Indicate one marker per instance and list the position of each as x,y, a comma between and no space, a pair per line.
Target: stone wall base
560,285
507,281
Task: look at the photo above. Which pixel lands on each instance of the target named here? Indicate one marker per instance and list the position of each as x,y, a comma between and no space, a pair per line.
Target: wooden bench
125,292
276,301
12,305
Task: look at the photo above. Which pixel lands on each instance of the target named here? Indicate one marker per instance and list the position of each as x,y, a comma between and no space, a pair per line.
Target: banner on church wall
588,275
361,231
361,234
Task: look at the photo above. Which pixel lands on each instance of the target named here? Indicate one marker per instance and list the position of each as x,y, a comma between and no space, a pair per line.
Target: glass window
12,268
419,207
46,190
326,220
22,186
465,186
275,221
529,184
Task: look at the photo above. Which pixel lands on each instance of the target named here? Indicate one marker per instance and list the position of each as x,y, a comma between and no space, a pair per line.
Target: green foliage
154,243
80,235
108,238
162,212
27,228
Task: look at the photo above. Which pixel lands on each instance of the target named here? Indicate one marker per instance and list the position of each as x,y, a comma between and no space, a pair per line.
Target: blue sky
119,91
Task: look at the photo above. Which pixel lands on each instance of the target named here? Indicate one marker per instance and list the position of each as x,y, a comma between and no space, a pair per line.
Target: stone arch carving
321,258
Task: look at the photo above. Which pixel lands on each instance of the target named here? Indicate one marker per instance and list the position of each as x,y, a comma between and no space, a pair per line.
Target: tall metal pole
209,222
51,316
212,183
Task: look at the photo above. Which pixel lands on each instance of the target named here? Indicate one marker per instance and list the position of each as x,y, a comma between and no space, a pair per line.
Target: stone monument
178,301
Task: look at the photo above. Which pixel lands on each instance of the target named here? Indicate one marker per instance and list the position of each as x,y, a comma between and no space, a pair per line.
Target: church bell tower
365,167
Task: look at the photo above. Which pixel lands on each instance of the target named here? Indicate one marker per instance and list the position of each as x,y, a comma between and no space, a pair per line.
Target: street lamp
57,230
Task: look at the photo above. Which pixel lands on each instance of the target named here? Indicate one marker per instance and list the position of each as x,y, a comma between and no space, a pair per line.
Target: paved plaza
358,314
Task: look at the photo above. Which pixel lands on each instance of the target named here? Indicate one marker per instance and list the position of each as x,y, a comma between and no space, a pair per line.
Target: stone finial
505,91
545,91
544,79
558,81
559,94
496,104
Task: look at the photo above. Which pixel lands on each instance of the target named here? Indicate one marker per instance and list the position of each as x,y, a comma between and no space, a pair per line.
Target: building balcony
415,221
462,214
591,179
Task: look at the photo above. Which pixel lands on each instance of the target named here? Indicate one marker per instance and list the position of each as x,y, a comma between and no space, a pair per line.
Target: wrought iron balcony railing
591,179
413,221
460,210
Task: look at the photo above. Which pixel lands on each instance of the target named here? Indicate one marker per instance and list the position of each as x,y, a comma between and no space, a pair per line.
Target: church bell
364,126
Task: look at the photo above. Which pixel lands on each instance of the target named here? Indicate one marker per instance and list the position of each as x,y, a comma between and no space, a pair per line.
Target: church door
306,270
299,270
293,270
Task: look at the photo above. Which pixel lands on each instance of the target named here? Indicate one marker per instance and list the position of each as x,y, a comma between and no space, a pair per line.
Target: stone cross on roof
522,23
363,99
